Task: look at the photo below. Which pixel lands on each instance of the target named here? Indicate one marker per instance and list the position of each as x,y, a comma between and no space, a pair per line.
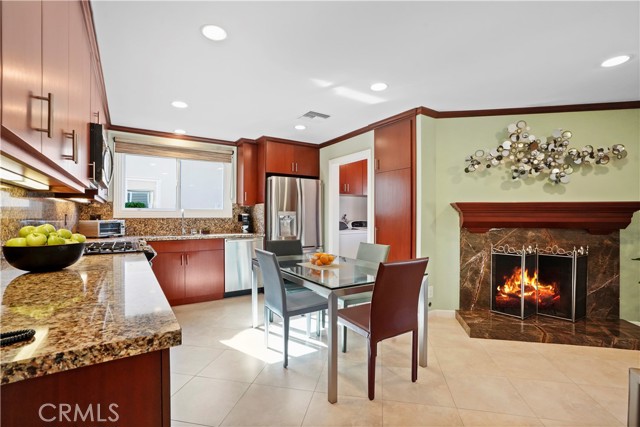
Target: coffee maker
245,219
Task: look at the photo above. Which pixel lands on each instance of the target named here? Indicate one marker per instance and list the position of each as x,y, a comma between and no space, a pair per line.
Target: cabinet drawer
188,245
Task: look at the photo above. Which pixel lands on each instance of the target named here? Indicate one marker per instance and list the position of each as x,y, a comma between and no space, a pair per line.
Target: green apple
55,240
70,241
80,238
26,230
64,233
42,229
50,227
17,241
36,239
54,233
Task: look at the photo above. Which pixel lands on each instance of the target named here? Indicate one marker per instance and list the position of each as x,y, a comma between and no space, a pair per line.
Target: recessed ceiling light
377,87
616,60
213,32
300,127
180,131
179,104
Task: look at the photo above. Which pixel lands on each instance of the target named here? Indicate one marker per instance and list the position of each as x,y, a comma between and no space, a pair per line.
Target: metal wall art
528,155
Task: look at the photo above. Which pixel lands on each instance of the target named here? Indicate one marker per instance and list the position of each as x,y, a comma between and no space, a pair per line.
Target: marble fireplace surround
545,224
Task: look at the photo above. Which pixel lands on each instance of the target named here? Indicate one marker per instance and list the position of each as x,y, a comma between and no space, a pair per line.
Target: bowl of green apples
43,248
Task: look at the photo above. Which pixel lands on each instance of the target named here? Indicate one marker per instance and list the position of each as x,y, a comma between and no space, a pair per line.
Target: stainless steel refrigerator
293,210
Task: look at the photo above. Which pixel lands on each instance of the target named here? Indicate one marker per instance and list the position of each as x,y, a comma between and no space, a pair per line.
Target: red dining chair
393,311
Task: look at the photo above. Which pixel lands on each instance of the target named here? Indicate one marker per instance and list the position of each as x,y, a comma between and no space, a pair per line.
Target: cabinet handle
348,188
377,164
187,258
245,196
49,129
74,139
96,114
181,259
92,165
375,234
296,166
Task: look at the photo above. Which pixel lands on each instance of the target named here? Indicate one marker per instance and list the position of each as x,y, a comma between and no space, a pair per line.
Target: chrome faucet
182,221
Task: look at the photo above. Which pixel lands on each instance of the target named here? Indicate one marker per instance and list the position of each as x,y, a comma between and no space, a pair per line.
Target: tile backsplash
21,207
169,226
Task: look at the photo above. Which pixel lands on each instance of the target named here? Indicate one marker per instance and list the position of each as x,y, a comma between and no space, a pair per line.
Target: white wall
355,207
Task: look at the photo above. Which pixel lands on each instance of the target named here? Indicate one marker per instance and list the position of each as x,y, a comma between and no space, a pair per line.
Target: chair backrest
373,252
274,293
284,247
394,303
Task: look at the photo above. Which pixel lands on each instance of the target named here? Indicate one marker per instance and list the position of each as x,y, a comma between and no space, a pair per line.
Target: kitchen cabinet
393,145
291,159
247,170
394,176
46,86
353,178
190,270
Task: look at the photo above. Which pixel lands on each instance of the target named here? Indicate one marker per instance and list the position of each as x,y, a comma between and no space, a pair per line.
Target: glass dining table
345,276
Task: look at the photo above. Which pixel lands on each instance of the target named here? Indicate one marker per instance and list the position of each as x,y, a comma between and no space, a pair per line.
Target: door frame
333,197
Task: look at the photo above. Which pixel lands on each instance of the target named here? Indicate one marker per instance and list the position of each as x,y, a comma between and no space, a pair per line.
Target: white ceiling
283,59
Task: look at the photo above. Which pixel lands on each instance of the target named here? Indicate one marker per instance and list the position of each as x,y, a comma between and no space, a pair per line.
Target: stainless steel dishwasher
238,253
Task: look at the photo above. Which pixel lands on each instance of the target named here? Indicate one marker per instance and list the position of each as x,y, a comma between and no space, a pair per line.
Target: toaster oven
101,227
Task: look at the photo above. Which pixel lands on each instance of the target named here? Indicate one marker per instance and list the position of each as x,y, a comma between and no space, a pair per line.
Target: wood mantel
595,217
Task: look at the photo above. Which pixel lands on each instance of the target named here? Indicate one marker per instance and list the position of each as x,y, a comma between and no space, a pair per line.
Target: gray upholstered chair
283,248
283,304
393,311
371,252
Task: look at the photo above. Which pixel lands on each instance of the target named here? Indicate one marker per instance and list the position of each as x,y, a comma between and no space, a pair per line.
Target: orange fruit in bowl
325,259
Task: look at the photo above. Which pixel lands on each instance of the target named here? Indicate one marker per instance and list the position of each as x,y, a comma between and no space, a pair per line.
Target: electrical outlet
430,292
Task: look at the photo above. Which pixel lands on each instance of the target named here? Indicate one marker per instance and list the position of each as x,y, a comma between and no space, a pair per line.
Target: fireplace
594,308
550,282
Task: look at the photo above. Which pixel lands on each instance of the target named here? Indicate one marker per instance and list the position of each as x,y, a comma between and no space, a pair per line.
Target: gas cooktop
114,247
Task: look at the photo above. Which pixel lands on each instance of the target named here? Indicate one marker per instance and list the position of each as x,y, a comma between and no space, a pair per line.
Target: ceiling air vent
314,115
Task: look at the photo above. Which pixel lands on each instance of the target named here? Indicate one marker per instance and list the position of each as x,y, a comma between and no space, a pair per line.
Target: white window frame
119,197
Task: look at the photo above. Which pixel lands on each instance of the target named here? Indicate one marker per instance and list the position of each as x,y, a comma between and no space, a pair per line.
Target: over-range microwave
101,157
101,227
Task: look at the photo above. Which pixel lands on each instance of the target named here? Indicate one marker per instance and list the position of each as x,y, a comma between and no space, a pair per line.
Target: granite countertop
104,307
203,236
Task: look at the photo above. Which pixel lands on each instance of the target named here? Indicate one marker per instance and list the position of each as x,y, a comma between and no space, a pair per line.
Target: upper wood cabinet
392,145
247,153
353,178
291,159
46,86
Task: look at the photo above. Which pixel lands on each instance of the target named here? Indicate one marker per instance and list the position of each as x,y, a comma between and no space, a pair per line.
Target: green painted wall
443,144
453,139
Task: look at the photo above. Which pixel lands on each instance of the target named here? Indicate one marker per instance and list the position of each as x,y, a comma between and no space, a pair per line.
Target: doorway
351,199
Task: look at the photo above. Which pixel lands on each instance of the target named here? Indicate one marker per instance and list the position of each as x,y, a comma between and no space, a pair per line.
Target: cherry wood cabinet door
169,270
79,92
393,212
204,274
365,177
279,158
247,193
306,161
55,79
97,102
392,145
351,179
22,70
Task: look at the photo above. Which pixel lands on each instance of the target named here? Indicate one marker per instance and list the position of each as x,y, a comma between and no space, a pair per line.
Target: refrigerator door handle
273,229
300,212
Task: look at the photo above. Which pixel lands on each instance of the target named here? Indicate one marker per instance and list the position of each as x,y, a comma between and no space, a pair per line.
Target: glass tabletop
342,273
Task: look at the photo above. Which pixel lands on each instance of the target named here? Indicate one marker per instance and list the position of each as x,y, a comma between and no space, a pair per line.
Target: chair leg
285,335
371,367
308,318
270,316
344,339
414,356
267,313
318,322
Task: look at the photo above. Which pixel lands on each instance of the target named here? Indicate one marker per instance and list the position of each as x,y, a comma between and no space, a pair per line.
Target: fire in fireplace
550,282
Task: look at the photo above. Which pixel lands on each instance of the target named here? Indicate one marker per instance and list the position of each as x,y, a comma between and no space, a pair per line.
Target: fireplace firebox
550,282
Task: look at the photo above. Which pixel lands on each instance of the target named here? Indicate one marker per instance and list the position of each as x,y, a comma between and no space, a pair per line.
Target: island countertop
102,308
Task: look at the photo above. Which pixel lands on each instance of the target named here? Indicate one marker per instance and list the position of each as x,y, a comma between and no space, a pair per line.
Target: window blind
129,146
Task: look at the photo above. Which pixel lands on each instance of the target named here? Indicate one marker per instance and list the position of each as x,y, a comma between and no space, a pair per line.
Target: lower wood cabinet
190,270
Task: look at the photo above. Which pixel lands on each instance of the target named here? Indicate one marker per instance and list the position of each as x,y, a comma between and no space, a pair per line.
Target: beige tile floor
224,375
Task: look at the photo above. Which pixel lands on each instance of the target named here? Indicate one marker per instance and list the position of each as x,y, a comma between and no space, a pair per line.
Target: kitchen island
100,355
